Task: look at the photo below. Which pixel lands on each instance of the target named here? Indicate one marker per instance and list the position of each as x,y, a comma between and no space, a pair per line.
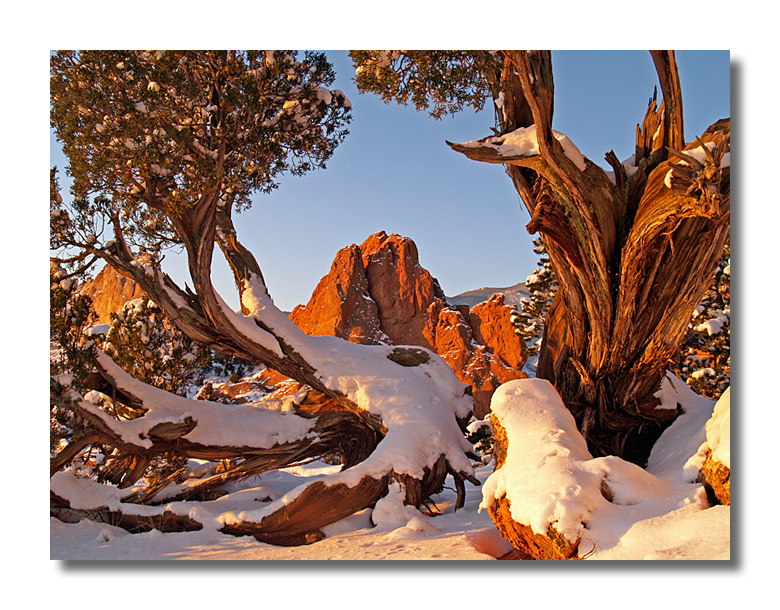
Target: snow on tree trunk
633,253
550,497
419,444
219,125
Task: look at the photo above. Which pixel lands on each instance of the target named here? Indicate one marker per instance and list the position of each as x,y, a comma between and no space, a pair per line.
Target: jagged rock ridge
378,293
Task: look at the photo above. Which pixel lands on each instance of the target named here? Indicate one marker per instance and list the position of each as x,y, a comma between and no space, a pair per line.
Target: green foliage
704,359
222,365
148,347
70,313
206,392
442,82
480,435
542,286
148,133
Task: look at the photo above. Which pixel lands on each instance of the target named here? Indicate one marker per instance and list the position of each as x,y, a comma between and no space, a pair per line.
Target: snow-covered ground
465,534
667,518
686,533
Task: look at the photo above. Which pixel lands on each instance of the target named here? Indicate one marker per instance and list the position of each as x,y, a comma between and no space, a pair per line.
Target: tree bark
343,411
633,257
328,430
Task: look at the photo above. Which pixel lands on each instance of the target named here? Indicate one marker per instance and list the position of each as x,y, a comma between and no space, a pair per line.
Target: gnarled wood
666,67
299,522
339,433
717,480
334,432
529,544
214,168
166,521
632,258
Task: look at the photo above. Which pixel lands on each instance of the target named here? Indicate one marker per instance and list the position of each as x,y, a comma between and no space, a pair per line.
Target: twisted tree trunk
373,407
633,253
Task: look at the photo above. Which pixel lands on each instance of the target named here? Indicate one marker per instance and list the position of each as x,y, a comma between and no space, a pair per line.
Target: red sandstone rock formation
341,305
374,293
379,293
109,291
495,353
402,290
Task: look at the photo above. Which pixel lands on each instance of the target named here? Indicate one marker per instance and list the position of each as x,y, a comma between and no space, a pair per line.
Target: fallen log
255,438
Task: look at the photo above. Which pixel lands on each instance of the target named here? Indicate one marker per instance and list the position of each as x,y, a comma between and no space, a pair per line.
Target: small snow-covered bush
70,313
542,286
480,435
704,360
144,343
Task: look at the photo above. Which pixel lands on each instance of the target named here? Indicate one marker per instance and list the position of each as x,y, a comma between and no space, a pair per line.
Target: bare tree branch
666,67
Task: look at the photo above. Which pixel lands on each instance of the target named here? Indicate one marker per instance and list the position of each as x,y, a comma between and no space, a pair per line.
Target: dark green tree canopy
149,133
441,82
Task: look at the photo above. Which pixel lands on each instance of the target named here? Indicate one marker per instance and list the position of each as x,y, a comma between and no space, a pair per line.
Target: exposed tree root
326,429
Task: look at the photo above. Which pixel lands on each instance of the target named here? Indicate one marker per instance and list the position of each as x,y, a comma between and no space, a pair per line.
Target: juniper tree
145,344
70,361
164,149
542,286
634,251
704,360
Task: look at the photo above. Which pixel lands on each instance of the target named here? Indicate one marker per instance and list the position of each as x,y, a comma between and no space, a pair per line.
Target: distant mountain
513,295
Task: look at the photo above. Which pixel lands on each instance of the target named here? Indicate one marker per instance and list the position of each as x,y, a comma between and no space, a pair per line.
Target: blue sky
395,173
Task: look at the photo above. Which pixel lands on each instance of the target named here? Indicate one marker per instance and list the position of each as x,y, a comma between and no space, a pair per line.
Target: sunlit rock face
109,291
378,293
341,304
401,288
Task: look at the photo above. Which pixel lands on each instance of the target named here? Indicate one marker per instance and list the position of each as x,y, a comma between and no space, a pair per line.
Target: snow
97,329
340,95
64,379
218,424
684,533
523,142
708,371
684,437
391,513
177,300
661,516
668,179
324,95
700,155
550,478
713,325
84,493
719,430
536,477
667,394
417,404
408,534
